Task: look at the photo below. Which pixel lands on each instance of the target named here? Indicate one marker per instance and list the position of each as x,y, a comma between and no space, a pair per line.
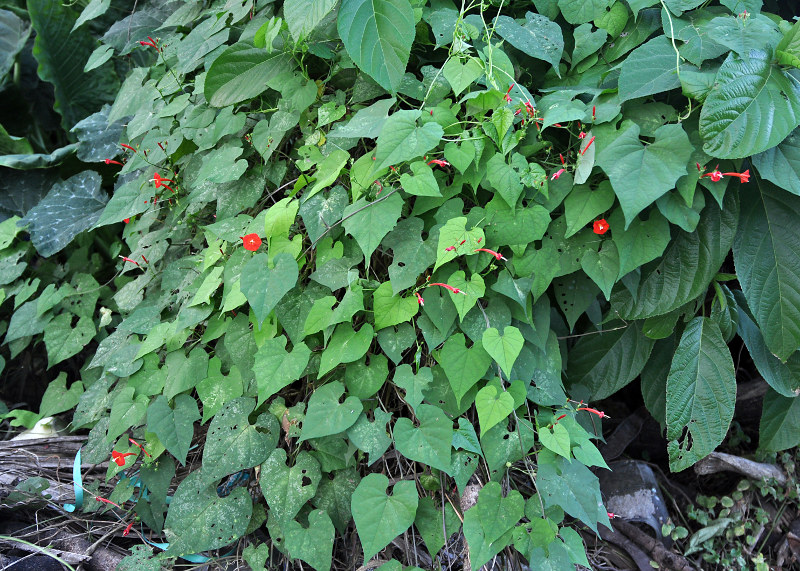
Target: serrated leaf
780,422
765,254
285,488
503,348
369,222
326,416
70,208
639,173
606,362
233,444
196,505
380,518
275,368
747,91
378,36
430,442
174,427
264,287
242,72
689,264
701,394
463,367
302,16
781,164
539,37
784,378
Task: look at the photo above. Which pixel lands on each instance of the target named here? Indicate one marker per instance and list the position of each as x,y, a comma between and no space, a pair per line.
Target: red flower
119,458
127,220
251,242
600,226
508,97
127,147
582,135
589,144
557,174
152,43
714,175
449,287
126,259
112,162
127,529
419,299
744,177
497,255
439,162
159,180
599,413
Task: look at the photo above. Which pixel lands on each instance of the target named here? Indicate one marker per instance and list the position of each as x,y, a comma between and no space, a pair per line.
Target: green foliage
397,231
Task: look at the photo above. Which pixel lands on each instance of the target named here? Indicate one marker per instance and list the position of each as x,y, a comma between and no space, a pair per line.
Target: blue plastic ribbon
77,484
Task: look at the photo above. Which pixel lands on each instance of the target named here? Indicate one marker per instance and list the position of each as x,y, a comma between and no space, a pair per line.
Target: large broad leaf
606,362
174,427
302,16
242,72
369,222
62,55
463,367
264,287
313,544
766,254
401,139
380,518
780,422
701,394
582,11
639,173
285,488
68,209
752,107
63,340
378,36
13,35
430,443
781,164
392,309
538,37
195,507
346,345
276,368
503,348
689,264
784,378
233,444
650,68
326,415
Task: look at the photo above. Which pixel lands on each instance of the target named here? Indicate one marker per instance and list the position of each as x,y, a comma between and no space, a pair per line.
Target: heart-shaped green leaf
326,416
463,367
313,544
285,488
380,518
430,443
503,348
492,407
264,287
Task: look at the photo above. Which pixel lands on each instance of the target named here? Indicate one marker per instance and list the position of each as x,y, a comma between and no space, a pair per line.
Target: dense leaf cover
337,241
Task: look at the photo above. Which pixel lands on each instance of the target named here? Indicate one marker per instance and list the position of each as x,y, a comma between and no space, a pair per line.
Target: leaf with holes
233,444
196,506
326,415
287,489
538,37
380,518
313,544
701,394
276,368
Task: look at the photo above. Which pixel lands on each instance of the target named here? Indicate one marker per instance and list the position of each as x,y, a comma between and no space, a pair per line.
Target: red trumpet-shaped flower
449,287
112,162
419,299
439,162
119,457
497,255
600,226
744,177
159,181
251,242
